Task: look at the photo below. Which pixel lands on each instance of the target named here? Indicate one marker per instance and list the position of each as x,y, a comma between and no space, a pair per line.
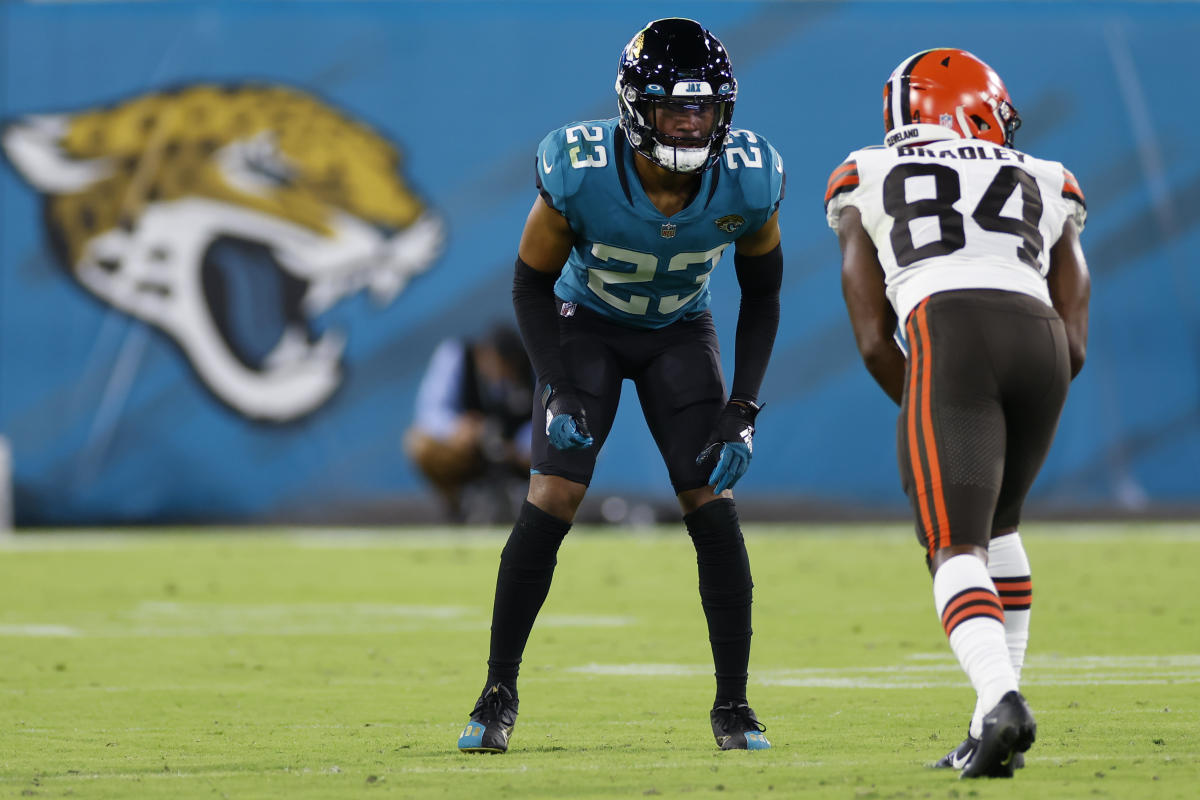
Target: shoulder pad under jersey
843,179
565,156
842,182
757,166
1071,191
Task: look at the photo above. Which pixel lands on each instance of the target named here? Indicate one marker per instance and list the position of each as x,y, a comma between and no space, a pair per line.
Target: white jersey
957,214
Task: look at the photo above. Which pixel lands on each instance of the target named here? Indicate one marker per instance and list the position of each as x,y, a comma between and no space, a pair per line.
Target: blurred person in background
611,282
968,293
470,435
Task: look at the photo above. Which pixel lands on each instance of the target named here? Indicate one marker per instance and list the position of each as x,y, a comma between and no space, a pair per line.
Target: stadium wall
150,372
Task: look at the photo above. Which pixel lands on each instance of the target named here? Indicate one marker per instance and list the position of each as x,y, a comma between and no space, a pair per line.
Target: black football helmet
674,70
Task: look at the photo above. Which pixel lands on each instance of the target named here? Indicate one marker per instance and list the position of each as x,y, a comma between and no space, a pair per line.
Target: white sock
973,619
1008,567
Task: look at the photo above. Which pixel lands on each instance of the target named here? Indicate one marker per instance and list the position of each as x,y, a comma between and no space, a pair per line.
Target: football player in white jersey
968,293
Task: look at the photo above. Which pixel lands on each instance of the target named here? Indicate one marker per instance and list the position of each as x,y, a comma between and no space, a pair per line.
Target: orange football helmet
952,89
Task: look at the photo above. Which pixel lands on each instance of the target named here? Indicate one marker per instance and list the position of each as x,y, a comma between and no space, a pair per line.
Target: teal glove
731,444
566,421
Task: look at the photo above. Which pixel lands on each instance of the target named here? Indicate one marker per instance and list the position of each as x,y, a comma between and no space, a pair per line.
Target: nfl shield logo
667,231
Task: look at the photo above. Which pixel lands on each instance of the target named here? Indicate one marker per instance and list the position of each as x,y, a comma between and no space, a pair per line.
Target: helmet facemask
1009,119
680,134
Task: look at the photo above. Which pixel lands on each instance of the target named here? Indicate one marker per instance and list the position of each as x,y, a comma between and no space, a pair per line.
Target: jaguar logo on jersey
231,218
730,222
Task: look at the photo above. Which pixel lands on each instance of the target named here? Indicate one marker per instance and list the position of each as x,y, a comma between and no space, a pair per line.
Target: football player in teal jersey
611,283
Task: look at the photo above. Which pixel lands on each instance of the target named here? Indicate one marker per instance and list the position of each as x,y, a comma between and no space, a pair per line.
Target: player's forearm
1071,303
758,322
873,322
1075,320
537,319
1070,288
760,278
886,364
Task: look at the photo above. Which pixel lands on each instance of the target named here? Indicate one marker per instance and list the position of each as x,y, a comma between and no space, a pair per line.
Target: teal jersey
630,263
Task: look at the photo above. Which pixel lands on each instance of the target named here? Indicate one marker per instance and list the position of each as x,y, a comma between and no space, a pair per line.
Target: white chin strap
680,159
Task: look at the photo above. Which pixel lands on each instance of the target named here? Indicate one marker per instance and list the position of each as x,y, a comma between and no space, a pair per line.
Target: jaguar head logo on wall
230,218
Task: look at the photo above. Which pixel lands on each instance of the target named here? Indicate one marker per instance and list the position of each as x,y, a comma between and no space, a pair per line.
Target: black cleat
492,722
1008,730
959,756
736,728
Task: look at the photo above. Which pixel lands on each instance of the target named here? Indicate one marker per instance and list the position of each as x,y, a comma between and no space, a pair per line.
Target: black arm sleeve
758,319
537,319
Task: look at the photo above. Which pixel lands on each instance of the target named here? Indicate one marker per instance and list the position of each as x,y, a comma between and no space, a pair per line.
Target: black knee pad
725,579
533,544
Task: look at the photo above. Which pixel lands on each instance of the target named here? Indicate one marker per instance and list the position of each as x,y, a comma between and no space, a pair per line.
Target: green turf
237,664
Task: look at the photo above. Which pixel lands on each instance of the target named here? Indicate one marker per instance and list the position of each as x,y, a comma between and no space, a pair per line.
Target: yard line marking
381,539
277,611
584,621
38,630
869,683
1053,661
941,672
643,670
174,619
55,542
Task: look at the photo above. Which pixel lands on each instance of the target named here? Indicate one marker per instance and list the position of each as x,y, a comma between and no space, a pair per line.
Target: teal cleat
737,728
492,722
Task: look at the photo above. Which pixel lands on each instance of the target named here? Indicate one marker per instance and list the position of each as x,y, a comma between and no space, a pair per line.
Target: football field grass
305,664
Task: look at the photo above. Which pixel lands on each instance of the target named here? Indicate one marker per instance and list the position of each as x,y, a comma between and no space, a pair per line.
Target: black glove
731,444
566,421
